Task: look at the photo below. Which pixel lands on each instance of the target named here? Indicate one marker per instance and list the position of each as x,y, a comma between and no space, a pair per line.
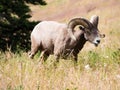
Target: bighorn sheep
61,39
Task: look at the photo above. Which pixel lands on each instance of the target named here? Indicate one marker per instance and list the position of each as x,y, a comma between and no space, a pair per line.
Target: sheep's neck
80,40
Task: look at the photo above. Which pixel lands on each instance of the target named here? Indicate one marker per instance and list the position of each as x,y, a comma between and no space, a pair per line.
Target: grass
95,70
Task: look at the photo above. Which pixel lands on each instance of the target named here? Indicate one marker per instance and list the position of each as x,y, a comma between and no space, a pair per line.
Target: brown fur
54,38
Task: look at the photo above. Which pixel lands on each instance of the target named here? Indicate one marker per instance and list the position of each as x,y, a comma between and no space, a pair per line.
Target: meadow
98,68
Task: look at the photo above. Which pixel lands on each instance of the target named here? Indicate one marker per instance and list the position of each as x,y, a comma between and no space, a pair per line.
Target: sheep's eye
88,32
81,28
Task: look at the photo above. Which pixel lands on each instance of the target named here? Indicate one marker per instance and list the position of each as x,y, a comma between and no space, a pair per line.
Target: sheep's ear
82,28
94,20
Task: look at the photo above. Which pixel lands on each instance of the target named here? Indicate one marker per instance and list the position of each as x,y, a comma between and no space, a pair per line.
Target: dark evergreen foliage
15,27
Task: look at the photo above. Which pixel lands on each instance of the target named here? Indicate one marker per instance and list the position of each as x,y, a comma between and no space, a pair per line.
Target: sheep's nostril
98,41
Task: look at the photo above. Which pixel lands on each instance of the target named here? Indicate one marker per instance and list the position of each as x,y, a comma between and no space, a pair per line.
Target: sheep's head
90,29
92,33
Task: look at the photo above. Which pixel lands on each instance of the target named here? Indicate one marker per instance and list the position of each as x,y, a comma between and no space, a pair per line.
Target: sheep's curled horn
77,21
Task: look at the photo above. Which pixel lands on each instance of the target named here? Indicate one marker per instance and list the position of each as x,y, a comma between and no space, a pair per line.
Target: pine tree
15,27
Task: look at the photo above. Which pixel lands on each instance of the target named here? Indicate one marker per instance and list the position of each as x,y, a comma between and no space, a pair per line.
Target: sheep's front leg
75,57
57,53
59,48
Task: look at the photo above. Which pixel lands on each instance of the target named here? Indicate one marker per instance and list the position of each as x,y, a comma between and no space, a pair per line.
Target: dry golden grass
94,71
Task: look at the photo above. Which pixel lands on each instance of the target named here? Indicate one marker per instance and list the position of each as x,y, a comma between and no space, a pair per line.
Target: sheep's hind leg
44,56
33,51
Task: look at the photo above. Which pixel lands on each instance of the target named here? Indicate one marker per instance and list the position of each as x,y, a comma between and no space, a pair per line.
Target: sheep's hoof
30,55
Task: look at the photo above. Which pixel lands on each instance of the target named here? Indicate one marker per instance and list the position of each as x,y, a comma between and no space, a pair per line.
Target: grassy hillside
97,68
64,10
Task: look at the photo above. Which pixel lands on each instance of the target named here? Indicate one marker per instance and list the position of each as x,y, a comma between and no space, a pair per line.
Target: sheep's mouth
96,44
